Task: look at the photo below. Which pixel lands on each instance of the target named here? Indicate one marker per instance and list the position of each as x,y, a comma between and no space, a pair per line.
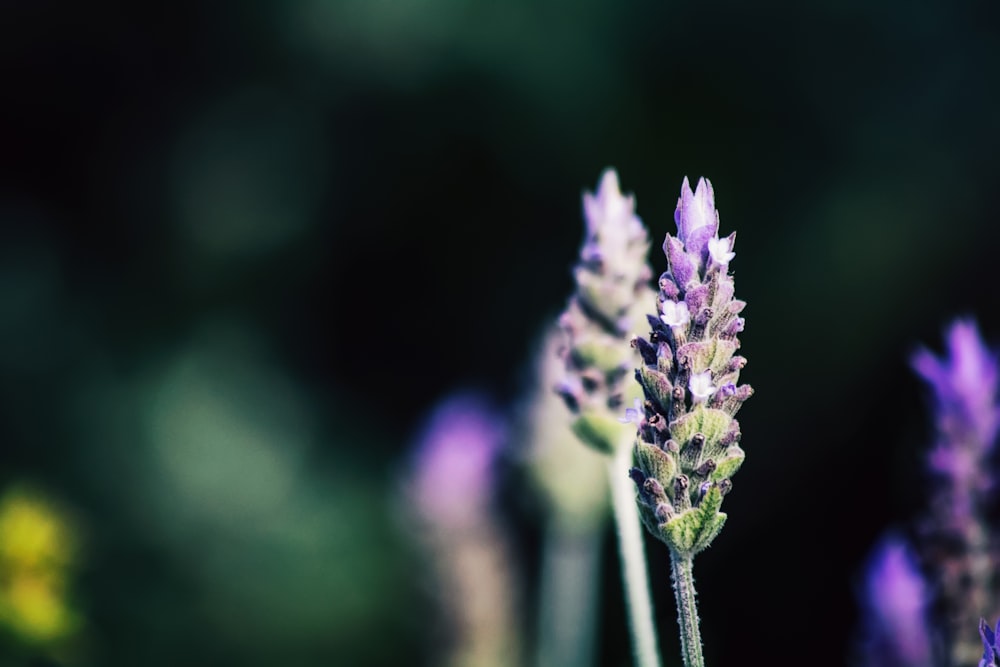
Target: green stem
687,609
571,563
633,557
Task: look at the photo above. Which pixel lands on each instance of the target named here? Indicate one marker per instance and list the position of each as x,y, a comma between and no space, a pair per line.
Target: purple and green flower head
688,439
612,281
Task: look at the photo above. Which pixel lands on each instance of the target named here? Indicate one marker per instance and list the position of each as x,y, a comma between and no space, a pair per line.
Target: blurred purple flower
455,459
896,600
955,537
964,383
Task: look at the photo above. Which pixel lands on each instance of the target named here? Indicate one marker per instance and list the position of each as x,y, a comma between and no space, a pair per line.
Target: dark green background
317,217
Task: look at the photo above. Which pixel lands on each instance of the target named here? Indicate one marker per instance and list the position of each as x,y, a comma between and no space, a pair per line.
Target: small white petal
720,250
675,313
701,386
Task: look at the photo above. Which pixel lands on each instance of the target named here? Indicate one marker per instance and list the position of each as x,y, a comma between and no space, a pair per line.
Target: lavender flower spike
964,384
897,598
688,436
612,278
612,281
687,447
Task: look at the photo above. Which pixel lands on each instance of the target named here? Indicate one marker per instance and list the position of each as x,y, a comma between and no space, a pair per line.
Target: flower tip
686,189
609,184
704,189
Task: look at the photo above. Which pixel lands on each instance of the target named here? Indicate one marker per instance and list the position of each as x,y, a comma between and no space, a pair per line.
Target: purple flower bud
454,460
682,267
696,298
668,287
734,327
696,218
896,632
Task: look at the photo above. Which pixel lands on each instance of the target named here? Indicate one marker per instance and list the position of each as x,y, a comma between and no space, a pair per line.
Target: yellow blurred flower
36,611
32,534
37,551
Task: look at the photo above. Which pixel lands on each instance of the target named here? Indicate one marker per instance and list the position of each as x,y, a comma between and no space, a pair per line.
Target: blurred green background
246,245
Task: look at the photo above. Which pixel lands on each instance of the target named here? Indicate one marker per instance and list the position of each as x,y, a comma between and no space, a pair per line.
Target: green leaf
681,532
606,353
694,530
657,385
727,466
654,462
600,432
709,422
710,529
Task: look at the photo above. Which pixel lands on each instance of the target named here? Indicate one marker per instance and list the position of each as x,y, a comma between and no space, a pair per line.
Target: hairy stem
687,610
633,559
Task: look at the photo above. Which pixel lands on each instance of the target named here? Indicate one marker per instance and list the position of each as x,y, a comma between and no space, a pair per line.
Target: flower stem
633,558
687,610
571,564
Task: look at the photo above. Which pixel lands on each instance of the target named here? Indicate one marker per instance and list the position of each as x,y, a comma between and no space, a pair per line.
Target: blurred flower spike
37,555
964,383
455,461
612,286
896,600
956,538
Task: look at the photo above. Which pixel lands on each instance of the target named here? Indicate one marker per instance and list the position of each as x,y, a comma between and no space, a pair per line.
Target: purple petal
696,213
681,266
697,240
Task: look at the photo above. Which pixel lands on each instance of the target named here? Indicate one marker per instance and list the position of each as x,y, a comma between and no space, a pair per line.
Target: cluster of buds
612,278
688,444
